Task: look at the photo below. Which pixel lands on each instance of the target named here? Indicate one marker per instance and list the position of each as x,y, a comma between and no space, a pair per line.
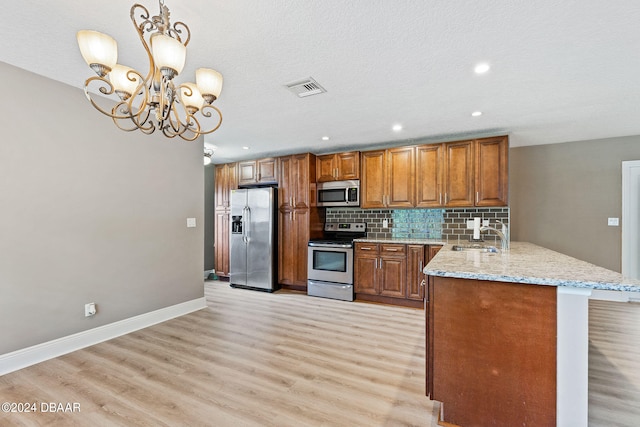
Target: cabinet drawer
366,248
393,249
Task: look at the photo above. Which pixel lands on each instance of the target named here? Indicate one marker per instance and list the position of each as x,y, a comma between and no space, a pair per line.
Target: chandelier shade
152,100
168,54
98,50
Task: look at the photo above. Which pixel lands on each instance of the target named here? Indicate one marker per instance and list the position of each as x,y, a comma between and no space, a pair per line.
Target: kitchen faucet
504,234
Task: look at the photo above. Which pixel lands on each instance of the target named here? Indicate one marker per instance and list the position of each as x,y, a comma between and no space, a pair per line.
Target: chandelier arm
146,25
104,91
176,31
208,114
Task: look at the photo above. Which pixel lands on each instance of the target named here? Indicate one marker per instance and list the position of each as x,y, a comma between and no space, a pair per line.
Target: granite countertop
530,264
401,240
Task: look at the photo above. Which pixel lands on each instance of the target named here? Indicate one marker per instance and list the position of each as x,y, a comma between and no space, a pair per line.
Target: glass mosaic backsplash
446,224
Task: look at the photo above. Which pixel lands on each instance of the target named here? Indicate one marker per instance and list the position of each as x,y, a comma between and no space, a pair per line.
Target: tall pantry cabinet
298,217
226,179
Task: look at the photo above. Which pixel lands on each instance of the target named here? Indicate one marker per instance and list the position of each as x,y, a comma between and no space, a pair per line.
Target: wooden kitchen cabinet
415,263
261,171
491,352
450,174
491,171
338,166
388,178
225,181
429,175
299,219
380,273
459,175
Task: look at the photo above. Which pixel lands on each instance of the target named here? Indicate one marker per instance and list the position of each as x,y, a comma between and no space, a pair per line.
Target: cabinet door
401,177
393,271
326,167
366,274
247,173
491,180
285,186
267,171
299,180
221,188
433,250
372,182
415,276
348,165
301,246
429,176
286,248
459,177
222,243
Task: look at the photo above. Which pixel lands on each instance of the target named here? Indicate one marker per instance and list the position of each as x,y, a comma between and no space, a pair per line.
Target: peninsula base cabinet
491,352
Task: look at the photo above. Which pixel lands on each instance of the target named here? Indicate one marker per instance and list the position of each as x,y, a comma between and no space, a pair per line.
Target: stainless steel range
330,261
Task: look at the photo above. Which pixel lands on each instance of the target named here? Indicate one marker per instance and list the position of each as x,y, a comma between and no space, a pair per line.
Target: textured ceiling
560,70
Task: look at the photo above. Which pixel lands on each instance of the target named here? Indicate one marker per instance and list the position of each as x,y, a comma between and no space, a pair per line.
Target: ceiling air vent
306,87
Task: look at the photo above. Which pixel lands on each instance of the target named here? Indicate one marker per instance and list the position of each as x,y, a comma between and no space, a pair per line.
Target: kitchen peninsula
507,334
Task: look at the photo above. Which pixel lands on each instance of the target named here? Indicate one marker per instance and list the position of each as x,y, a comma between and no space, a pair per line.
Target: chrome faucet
504,234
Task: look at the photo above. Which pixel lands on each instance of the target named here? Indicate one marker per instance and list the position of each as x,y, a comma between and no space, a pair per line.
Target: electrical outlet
191,222
90,309
613,222
385,223
469,224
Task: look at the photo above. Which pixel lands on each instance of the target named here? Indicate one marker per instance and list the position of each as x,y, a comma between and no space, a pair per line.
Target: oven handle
324,245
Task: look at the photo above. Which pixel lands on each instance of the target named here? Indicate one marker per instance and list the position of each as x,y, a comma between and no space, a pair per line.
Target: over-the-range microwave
339,193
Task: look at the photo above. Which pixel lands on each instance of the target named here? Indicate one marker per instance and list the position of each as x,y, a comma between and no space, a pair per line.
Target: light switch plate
191,222
613,222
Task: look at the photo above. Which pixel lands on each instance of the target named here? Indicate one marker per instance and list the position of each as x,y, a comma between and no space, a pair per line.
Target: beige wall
89,213
562,194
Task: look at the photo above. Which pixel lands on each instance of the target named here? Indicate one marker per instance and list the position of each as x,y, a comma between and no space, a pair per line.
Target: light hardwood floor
249,359
614,364
285,359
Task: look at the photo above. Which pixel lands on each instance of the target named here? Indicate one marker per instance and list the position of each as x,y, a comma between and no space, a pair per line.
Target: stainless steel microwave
339,193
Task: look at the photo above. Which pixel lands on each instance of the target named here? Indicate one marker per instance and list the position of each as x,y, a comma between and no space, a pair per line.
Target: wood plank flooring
614,364
249,359
285,359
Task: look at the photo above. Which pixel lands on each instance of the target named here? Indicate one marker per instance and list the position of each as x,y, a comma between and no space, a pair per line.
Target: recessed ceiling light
325,138
397,128
481,68
476,113
245,148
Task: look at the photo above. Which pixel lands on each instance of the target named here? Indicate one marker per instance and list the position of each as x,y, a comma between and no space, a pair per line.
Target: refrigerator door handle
244,224
248,216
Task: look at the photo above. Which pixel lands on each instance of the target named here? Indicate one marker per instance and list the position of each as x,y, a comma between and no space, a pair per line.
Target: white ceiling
560,70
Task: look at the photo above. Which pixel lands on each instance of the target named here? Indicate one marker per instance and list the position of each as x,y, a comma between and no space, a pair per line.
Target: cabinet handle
391,249
380,263
440,199
477,198
294,201
365,249
335,173
423,282
375,267
290,201
445,198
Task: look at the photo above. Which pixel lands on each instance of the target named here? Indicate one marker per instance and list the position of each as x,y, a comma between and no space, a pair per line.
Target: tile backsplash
446,224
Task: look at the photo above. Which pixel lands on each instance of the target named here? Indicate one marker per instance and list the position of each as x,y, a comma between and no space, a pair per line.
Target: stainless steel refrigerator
252,255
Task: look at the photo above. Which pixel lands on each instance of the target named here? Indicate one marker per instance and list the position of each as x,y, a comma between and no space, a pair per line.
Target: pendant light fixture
152,101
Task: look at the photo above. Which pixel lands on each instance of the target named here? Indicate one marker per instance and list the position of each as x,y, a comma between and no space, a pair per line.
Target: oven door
330,263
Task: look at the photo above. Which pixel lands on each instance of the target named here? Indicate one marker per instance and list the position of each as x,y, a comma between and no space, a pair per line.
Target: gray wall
89,213
209,216
562,194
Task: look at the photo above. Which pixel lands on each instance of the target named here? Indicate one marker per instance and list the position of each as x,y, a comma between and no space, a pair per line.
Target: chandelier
152,101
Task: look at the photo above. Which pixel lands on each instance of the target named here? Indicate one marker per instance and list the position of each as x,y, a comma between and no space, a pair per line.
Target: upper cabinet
338,167
225,181
492,171
450,174
458,174
388,178
262,171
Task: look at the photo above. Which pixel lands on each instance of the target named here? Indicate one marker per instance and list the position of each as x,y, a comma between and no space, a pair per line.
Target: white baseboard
22,358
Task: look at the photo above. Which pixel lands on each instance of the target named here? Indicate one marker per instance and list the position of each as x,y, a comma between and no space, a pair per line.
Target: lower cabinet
390,272
293,237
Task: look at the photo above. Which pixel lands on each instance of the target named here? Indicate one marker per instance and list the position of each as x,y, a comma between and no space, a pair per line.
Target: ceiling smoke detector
306,87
